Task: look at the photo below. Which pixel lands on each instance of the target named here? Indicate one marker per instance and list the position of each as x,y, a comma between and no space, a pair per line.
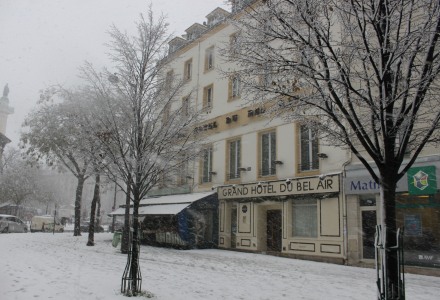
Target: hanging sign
422,180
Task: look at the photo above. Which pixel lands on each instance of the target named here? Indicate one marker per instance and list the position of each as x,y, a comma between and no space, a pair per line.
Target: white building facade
279,187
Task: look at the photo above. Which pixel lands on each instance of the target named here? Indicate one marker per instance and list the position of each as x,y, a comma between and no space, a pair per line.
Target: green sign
422,181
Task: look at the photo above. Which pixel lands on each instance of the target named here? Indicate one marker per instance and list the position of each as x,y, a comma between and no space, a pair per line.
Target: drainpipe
198,74
344,214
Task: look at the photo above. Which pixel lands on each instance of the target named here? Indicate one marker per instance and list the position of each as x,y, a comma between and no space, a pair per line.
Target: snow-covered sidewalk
60,266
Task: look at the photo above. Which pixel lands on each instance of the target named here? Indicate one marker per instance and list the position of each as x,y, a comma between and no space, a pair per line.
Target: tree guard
385,291
131,278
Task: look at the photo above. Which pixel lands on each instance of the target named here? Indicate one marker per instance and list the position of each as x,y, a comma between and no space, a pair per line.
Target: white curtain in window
305,218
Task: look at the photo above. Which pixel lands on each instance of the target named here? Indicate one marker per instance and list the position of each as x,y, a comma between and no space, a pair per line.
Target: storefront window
305,218
419,215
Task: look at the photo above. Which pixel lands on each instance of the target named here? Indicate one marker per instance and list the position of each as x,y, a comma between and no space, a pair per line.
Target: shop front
300,217
417,212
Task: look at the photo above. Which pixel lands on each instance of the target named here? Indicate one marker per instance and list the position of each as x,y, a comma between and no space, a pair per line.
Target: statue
6,91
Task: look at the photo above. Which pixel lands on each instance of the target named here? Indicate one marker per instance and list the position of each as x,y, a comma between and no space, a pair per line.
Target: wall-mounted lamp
212,173
228,120
288,181
189,177
243,169
322,155
235,118
278,162
259,183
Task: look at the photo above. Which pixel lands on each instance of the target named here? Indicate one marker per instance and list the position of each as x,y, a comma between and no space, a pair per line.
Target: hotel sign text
280,188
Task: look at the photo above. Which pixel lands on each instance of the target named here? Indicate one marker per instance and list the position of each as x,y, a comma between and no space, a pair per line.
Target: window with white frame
188,69
268,153
234,87
206,170
234,152
305,218
208,96
308,148
209,58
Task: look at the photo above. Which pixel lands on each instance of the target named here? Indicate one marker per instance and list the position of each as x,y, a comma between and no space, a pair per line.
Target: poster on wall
413,225
422,180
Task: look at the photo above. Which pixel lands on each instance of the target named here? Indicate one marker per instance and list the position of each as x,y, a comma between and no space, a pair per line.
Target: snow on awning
164,205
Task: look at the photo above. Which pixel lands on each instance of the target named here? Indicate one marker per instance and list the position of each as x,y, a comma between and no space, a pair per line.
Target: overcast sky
43,42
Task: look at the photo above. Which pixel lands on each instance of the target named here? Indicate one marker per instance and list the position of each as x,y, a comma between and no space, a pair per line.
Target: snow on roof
164,205
172,199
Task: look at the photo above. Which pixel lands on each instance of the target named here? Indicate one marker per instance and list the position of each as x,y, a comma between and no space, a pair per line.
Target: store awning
164,205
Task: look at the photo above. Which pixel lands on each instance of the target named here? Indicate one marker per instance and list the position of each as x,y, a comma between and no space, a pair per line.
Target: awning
164,205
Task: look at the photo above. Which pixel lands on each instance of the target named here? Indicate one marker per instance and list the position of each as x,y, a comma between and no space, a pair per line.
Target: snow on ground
60,266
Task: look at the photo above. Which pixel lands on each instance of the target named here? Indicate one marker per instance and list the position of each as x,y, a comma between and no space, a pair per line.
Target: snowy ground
60,266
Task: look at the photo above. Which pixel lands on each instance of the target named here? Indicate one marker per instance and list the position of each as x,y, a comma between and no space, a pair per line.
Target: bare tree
363,72
146,135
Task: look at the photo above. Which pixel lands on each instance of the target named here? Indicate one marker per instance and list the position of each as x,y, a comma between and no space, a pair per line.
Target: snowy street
60,266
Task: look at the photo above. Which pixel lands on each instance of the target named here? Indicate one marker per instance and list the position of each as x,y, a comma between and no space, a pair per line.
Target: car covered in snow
45,224
9,223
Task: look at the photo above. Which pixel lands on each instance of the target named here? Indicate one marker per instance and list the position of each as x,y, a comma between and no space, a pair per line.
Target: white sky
43,42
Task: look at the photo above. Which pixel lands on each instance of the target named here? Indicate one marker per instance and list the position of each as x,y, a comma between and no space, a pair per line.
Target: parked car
9,223
45,224
84,227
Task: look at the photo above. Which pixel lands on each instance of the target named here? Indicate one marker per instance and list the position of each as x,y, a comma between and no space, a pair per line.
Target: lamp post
114,208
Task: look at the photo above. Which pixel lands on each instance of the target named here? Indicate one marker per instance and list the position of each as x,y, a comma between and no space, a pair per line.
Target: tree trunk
78,197
98,212
389,229
91,239
134,246
126,230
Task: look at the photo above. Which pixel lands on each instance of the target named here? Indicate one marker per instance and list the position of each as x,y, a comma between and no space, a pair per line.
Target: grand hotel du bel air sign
297,186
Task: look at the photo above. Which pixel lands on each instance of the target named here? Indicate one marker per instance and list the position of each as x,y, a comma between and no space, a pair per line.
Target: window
185,106
188,70
209,58
166,113
234,87
268,153
305,218
208,97
206,165
266,75
234,43
308,148
234,155
183,171
169,79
